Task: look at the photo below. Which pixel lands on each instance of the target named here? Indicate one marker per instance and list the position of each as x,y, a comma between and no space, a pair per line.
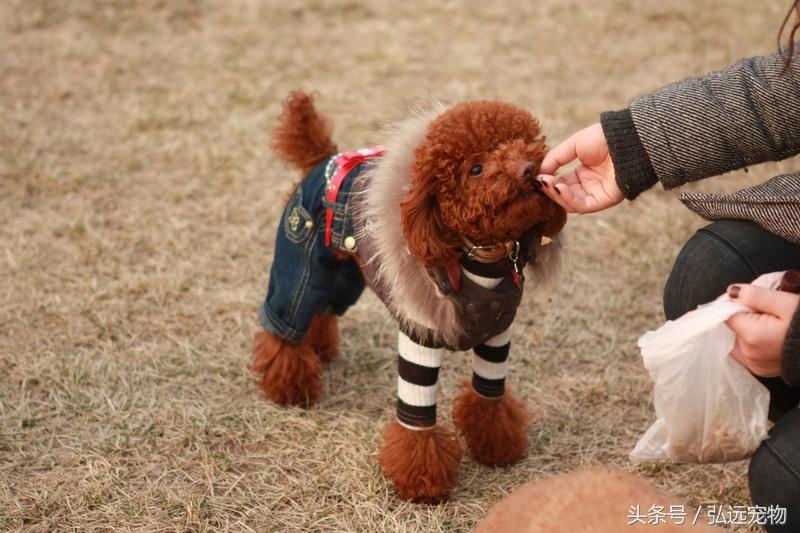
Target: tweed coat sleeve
745,114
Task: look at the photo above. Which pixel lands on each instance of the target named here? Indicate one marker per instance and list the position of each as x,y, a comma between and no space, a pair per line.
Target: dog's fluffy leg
422,464
420,458
492,421
495,429
290,373
323,336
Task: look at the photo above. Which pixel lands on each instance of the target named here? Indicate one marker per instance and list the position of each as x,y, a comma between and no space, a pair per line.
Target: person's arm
633,171
686,131
745,114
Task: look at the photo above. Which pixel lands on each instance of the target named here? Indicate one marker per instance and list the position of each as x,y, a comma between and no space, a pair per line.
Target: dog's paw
422,465
495,430
290,373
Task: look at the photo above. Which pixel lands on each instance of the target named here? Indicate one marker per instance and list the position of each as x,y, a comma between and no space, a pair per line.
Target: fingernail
734,290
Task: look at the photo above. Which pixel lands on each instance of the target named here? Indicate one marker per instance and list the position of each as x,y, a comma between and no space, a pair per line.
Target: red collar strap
345,162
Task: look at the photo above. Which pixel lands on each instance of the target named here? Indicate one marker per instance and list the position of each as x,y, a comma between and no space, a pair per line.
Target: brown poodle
440,223
595,500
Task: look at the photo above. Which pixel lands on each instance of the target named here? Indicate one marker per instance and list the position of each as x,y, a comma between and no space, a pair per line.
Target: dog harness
345,163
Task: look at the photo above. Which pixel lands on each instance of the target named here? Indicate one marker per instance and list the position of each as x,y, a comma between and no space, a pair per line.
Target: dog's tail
302,136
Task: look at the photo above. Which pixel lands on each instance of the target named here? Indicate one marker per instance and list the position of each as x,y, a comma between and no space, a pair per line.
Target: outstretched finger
561,155
548,188
571,192
555,188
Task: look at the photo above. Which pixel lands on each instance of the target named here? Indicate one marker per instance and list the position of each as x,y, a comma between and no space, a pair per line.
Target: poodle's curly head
474,175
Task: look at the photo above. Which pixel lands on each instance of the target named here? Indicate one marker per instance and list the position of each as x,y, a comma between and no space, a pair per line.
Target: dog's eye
476,170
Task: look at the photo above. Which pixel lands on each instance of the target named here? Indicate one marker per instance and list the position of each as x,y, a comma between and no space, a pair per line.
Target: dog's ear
422,225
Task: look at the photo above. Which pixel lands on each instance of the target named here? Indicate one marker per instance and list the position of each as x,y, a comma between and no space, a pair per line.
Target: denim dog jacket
306,277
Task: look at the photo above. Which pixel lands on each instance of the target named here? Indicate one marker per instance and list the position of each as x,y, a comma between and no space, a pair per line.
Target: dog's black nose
526,171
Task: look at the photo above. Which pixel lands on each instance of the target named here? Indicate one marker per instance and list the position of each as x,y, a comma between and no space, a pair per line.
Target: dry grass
138,205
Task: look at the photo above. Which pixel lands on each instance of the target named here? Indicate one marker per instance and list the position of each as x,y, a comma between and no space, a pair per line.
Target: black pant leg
774,474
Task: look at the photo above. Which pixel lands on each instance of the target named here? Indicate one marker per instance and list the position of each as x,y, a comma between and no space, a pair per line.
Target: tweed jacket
745,114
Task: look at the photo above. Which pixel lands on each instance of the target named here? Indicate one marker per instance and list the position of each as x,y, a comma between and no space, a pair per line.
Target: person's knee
773,482
704,268
761,475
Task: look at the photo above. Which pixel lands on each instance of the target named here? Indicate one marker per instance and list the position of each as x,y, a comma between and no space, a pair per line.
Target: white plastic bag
709,408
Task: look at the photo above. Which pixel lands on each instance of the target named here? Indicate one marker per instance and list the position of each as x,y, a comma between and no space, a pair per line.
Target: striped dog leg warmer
489,365
418,368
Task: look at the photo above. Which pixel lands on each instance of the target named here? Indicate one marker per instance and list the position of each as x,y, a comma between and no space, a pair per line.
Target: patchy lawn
138,206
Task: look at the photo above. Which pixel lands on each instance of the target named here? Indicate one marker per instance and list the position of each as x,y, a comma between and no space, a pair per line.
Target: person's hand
760,334
589,187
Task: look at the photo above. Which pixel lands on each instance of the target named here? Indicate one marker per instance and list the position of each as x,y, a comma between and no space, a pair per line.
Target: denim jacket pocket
297,223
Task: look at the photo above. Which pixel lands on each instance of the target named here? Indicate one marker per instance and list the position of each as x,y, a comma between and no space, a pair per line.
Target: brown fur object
290,373
302,136
495,430
595,500
422,465
323,337
446,201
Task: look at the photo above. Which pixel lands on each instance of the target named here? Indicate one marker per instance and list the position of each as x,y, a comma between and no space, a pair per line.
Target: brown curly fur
290,373
323,337
445,202
495,430
595,500
423,465
302,136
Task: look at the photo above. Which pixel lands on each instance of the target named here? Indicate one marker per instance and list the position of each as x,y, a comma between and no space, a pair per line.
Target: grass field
138,205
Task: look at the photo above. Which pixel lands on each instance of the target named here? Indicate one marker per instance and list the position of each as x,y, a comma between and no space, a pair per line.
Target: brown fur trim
302,135
495,430
323,337
597,500
290,373
423,465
